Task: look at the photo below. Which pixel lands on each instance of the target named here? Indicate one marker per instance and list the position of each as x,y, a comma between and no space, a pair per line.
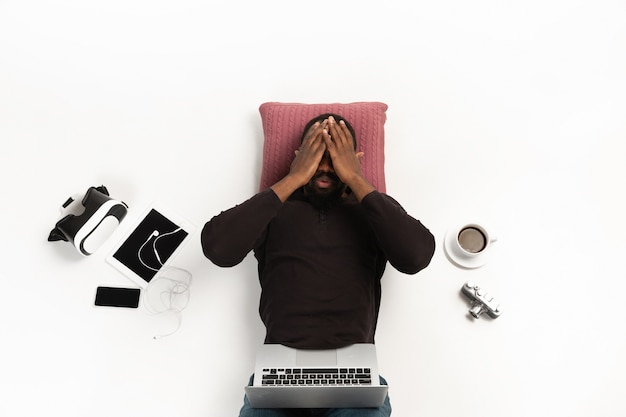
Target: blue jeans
383,411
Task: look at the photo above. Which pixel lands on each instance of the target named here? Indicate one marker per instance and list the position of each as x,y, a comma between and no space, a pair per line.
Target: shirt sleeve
228,237
407,244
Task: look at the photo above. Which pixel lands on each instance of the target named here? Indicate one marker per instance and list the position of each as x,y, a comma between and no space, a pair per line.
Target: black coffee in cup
472,239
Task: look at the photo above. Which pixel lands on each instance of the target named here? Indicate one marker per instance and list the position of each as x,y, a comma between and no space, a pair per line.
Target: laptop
346,377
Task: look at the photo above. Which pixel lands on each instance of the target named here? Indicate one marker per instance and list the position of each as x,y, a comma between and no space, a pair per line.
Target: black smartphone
117,297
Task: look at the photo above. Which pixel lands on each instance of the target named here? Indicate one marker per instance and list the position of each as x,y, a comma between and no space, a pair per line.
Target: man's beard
324,199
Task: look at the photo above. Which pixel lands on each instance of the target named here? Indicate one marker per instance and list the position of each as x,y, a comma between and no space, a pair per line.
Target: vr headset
87,223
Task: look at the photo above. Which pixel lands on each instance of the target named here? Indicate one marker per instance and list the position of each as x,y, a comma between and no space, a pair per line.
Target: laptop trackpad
316,357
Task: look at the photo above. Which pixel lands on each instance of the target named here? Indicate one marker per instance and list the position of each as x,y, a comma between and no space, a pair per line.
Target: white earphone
156,234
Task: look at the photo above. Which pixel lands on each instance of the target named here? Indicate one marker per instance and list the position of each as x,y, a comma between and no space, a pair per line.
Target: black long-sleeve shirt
319,270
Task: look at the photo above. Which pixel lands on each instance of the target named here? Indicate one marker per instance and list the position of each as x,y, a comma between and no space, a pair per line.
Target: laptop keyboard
316,376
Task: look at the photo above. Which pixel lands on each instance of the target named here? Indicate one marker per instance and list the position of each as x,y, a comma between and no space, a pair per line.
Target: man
322,236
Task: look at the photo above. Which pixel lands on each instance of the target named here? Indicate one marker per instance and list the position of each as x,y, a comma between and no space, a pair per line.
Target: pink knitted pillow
282,128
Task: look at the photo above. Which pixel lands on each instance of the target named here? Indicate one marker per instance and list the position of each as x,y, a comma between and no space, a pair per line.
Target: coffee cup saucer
473,262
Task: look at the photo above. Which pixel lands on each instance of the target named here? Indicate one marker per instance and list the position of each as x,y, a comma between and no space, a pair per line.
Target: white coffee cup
472,240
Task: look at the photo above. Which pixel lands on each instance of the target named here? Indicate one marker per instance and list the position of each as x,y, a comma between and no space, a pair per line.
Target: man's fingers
311,133
340,133
315,138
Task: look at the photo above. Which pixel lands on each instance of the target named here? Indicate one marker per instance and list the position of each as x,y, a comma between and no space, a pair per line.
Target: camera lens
476,310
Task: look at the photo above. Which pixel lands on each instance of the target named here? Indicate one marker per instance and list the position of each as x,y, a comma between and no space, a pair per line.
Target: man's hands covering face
336,139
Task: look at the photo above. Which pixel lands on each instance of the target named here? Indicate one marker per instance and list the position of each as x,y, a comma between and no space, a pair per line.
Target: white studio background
507,113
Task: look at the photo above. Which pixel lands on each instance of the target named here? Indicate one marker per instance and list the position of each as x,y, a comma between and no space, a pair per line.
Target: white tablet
156,238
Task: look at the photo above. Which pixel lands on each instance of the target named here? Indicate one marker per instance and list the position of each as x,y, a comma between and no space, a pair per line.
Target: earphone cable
174,299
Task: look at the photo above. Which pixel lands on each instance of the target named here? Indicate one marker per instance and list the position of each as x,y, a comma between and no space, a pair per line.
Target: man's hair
325,116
